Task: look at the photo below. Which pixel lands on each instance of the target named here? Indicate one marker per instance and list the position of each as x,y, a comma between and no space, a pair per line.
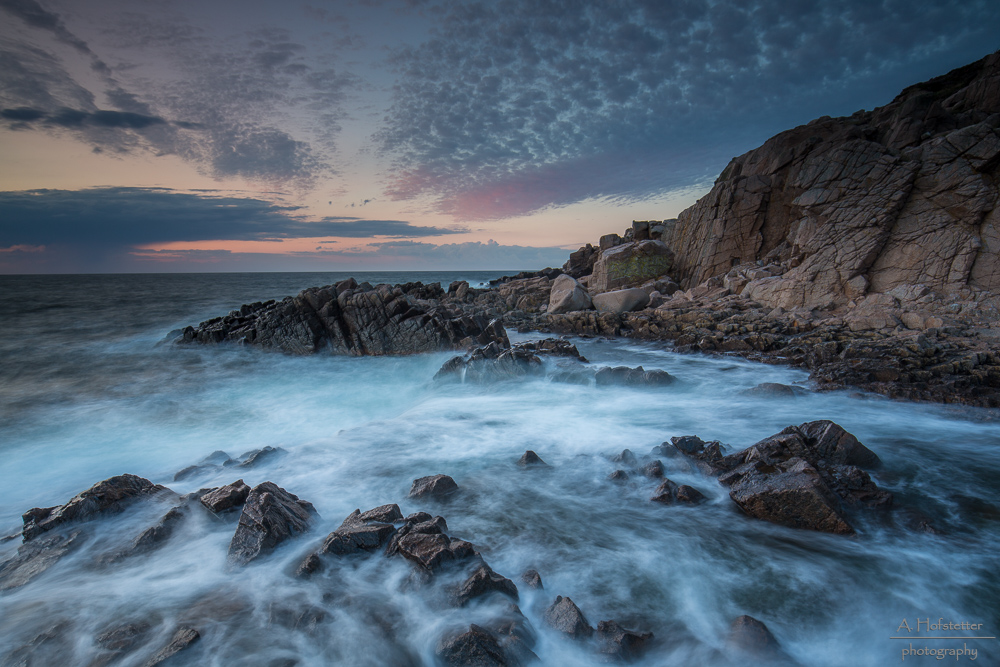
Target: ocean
89,389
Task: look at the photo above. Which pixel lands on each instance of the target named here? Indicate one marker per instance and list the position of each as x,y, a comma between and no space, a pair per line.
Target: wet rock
653,469
492,364
791,493
430,526
226,498
385,513
438,487
568,295
256,457
111,496
621,301
50,647
35,557
532,579
150,539
309,566
530,458
484,581
771,390
751,636
564,616
477,647
707,456
626,457
432,550
669,493
346,320
633,377
182,639
123,637
270,516
619,644
208,464
357,538
618,476
417,517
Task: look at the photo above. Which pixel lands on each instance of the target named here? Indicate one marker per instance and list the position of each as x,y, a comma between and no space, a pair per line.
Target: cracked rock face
901,195
355,321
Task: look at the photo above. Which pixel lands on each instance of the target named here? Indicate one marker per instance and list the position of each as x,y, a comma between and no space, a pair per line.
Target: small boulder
226,498
771,390
564,616
669,493
621,301
618,476
568,295
432,550
270,516
530,458
532,579
619,644
626,457
632,377
478,647
483,582
653,469
749,635
438,487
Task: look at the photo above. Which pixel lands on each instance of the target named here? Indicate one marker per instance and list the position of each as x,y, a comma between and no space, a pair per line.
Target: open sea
88,390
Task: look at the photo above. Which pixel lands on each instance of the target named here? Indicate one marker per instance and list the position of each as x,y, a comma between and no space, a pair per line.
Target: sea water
89,390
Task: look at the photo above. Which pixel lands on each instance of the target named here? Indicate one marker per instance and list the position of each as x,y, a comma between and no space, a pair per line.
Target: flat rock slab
621,301
270,516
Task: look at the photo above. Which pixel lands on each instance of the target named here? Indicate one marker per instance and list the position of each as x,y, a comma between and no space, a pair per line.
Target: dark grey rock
35,557
484,581
619,644
182,639
532,579
229,497
270,516
564,616
438,487
530,458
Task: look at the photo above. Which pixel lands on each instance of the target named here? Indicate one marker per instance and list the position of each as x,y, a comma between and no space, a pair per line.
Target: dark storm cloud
123,217
513,88
77,118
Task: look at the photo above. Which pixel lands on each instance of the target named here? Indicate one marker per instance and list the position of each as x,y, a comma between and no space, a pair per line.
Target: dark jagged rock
417,517
633,377
707,456
749,635
108,497
35,557
309,566
800,477
211,462
123,637
256,457
270,516
227,497
150,539
653,469
491,364
475,648
532,579
484,581
530,458
626,457
619,644
581,262
362,532
182,639
438,487
618,476
430,526
564,616
669,493
348,319
432,550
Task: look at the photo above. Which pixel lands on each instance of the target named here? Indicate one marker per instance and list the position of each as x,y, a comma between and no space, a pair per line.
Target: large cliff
906,194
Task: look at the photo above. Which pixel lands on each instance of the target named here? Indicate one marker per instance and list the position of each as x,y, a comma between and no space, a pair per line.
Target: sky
252,135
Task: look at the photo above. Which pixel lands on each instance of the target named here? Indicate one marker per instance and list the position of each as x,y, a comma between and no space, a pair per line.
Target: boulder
490,364
432,551
256,457
270,516
669,493
621,301
619,644
357,538
568,295
227,497
532,579
477,647
530,458
630,264
564,616
632,377
484,581
111,496
749,635
438,487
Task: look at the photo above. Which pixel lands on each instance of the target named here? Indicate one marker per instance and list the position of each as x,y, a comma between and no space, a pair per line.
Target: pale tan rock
567,295
630,264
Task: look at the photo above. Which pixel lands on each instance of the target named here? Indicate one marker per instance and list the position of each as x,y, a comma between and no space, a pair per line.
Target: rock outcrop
629,264
902,195
270,516
348,319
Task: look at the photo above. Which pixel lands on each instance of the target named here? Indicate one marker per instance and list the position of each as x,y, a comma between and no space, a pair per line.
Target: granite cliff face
903,195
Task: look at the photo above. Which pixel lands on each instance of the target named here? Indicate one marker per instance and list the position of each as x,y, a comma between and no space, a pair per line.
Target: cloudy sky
242,135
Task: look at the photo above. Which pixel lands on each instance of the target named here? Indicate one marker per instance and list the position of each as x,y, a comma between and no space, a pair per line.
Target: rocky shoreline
809,477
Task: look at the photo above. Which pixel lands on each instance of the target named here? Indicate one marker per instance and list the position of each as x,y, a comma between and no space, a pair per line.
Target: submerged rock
35,557
669,493
484,581
633,377
619,644
182,639
108,497
532,579
150,539
564,616
477,647
270,516
530,458
748,635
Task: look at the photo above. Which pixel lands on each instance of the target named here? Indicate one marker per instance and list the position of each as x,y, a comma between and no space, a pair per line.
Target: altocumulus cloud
518,104
128,217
